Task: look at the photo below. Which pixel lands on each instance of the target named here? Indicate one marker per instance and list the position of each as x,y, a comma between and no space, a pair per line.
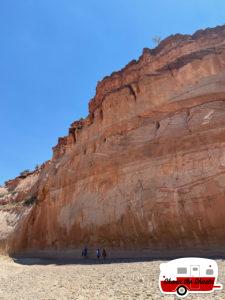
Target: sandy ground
42,279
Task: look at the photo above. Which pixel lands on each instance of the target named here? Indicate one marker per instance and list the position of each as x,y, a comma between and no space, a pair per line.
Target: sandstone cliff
145,169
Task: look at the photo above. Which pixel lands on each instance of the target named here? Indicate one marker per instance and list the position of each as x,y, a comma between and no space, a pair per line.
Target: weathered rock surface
146,168
16,200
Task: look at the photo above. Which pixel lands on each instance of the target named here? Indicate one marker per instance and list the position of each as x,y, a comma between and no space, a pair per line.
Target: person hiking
98,254
104,253
85,252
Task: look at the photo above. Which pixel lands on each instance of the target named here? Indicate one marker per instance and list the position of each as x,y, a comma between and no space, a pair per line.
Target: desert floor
47,279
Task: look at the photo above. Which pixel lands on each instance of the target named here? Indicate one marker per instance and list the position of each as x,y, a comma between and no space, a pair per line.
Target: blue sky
53,52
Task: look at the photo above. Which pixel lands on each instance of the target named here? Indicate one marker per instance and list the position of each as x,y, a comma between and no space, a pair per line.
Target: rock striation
144,170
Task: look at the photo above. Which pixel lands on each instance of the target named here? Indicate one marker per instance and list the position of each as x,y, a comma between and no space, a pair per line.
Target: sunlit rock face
146,168
17,198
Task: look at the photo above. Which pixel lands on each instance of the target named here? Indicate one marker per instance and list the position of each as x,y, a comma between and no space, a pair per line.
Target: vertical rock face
146,168
16,200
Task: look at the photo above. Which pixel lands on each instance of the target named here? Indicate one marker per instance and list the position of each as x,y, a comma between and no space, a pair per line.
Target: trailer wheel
181,290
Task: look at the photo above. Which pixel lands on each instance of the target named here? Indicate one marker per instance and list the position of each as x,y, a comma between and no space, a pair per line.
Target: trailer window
181,270
209,272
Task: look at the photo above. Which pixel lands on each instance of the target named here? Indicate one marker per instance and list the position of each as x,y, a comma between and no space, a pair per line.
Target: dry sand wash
121,280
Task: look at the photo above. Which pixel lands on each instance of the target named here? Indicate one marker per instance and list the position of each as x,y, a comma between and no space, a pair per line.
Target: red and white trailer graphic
189,275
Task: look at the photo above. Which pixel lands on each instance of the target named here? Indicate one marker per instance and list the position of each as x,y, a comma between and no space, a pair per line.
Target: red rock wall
146,168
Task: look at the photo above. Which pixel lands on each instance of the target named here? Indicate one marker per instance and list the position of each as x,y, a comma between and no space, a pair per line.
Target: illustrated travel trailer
188,275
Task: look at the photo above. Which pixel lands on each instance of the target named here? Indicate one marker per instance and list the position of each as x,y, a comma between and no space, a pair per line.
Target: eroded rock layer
146,168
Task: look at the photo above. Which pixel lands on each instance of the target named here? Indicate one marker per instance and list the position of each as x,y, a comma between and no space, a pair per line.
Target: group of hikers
99,253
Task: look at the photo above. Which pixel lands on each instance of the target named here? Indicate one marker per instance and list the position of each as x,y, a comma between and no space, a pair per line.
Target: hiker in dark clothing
98,254
85,252
104,253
